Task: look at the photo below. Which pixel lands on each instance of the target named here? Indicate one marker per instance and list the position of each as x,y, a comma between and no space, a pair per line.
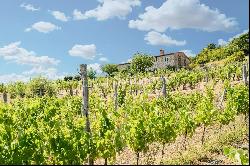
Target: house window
166,59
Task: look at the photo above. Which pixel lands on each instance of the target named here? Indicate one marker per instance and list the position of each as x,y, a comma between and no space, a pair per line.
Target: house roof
124,63
164,55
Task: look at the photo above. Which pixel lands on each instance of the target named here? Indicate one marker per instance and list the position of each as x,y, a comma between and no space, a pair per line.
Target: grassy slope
234,134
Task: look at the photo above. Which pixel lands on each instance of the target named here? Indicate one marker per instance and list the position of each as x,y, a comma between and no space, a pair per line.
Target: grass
235,134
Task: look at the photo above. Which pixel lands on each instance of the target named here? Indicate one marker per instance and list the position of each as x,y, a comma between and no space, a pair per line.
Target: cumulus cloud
96,67
40,65
78,15
183,14
50,73
103,59
156,38
44,27
238,35
59,16
83,51
14,53
29,7
222,42
13,77
188,53
108,9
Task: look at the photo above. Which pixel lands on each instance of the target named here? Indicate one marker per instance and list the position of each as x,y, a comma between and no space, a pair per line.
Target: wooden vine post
244,77
244,74
115,95
5,97
164,90
85,103
130,84
206,78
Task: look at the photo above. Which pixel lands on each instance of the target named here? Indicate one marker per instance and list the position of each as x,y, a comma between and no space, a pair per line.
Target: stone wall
181,59
163,61
123,66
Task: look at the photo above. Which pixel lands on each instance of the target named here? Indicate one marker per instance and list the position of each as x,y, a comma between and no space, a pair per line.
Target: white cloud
41,65
238,35
14,53
83,51
103,59
78,15
222,42
183,14
155,38
13,78
44,27
189,53
108,9
29,7
96,67
50,73
60,16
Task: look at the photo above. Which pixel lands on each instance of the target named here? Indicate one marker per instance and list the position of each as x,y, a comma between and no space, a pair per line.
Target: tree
141,62
110,69
240,43
91,73
77,77
68,78
211,46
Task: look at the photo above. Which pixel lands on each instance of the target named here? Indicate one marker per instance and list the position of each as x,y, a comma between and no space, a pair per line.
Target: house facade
177,60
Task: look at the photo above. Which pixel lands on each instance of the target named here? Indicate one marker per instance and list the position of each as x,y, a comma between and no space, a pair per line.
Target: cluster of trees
140,63
235,50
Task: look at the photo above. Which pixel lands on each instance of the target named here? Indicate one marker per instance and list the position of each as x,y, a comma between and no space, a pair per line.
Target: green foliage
121,95
238,99
91,73
240,43
141,63
3,88
71,78
49,130
110,69
235,50
40,87
238,155
16,89
68,78
211,46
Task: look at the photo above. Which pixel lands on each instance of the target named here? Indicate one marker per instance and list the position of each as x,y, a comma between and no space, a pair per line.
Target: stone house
123,66
176,60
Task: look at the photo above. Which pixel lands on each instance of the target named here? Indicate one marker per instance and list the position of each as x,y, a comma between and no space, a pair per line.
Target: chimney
161,52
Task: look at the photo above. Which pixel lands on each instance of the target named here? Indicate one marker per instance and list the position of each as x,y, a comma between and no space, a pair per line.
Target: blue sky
52,38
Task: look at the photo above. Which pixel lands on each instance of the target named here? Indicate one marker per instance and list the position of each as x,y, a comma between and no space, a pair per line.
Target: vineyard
45,122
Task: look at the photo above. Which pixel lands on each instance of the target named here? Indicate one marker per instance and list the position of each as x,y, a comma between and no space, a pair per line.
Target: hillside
198,115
